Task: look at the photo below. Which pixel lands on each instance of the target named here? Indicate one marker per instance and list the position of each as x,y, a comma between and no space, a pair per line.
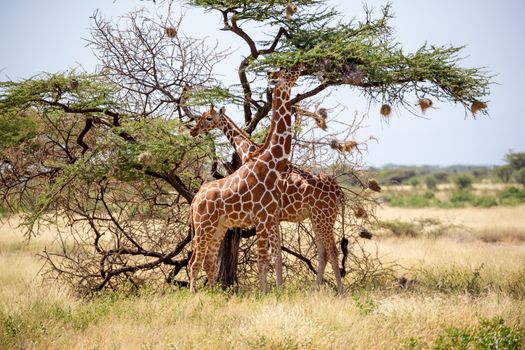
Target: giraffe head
208,121
287,76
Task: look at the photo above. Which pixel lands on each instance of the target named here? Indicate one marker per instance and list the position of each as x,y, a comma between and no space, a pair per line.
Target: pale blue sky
39,36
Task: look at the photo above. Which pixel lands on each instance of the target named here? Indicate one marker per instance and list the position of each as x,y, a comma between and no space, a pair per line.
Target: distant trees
463,181
431,182
519,176
513,170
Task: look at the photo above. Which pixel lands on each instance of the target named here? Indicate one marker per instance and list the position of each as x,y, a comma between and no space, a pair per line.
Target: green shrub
409,200
484,202
401,228
462,197
431,182
512,196
519,176
453,338
490,334
463,181
414,182
494,334
453,280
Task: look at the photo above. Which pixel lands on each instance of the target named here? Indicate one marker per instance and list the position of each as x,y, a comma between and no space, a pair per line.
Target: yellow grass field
461,280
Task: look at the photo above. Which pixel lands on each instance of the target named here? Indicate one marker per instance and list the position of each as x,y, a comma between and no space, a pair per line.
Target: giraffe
305,195
248,197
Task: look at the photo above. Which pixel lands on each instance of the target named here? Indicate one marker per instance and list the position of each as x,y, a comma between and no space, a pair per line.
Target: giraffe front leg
274,234
211,265
197,257
262,257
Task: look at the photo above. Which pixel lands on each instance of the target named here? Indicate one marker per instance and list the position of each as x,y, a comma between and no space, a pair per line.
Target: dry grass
498,219
478,186
45,316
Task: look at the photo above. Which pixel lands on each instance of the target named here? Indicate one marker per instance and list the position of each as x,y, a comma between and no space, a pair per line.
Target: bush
414,182
410,200
490,334
401,228
461,197
519,176
431,182
512,196
463,181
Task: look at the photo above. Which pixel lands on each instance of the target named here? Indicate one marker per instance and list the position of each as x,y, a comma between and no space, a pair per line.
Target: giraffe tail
344,240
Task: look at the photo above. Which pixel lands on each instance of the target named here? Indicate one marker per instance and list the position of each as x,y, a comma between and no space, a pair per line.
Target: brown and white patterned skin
248,197
305,195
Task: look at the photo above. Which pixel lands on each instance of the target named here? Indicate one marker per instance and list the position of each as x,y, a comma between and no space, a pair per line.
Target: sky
49,36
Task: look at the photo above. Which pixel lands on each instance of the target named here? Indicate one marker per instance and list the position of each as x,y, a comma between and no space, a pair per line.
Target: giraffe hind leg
325,234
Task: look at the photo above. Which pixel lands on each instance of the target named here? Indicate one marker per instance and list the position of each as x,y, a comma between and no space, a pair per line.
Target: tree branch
80,138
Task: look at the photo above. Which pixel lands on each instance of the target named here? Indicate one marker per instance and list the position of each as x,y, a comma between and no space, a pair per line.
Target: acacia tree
109,155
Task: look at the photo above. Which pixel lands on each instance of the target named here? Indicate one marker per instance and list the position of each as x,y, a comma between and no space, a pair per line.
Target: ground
469,287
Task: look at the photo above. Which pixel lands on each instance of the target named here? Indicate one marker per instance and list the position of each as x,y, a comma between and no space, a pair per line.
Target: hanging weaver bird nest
146,158
322,112
385,110
360,212
291,9
373,185
346,146
365,234
320,120
477,106
171,32
321,123
424,104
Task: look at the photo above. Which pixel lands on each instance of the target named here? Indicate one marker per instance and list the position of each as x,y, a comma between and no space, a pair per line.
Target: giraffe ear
222,110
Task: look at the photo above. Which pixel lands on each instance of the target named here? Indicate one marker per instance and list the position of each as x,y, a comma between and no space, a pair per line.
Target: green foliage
362,54
515,160
519,176
368,48
504,172
431,182
401,228
258,10
409,199
79,91
514,169
365,303
453,338
416,228
463,181
458,199
215,95
455,279
16,128
490,334
512,196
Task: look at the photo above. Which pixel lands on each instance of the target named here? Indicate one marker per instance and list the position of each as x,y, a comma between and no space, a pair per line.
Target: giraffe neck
237,138
278,143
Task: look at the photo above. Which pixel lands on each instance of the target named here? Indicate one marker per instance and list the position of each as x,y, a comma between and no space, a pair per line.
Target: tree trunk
229,254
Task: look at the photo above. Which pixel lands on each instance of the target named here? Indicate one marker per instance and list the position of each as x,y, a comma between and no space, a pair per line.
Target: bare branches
151,68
